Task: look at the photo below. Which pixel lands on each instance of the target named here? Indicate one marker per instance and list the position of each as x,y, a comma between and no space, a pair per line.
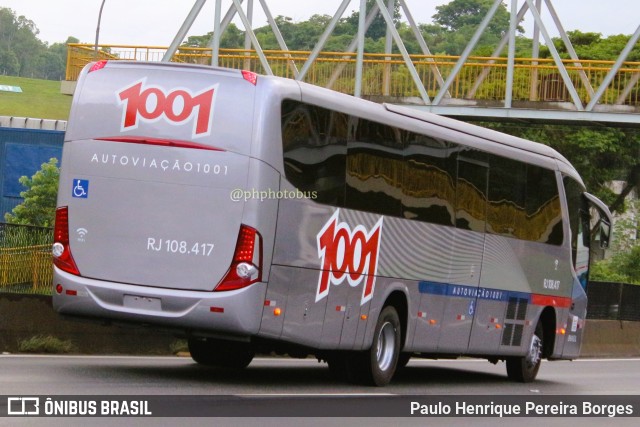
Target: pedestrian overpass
498,87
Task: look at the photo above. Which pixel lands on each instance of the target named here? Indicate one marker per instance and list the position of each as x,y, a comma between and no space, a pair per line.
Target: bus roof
375,111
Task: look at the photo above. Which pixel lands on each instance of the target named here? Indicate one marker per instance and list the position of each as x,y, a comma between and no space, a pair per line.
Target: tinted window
577,211
429,191
471,193
315,146
542,203
374,168
360,164
506,213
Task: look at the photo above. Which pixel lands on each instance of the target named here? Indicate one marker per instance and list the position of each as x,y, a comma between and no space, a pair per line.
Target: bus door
584,211
467,250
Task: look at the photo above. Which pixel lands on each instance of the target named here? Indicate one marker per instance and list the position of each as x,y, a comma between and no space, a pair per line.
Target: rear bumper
235,312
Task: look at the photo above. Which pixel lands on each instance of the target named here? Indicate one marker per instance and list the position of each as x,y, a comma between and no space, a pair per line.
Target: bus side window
374,168
506,214
580,230
582,248
428,188
542,204
314,143
471,191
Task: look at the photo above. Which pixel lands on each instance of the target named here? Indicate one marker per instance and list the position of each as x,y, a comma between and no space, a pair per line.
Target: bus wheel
220,353
525,368
377,365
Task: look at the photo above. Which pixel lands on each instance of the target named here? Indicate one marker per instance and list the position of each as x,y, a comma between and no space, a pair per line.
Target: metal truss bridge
470,87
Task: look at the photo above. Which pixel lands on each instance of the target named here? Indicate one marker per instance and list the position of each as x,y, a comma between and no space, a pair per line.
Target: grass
179,346
45,344
40,99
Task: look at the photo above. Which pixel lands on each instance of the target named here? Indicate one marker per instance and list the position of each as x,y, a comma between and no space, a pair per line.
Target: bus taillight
62,257
246,266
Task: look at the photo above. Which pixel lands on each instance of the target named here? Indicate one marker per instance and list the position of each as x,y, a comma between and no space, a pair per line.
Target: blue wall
22,152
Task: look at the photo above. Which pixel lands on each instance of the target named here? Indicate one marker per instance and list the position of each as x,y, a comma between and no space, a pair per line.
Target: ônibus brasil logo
348,254
147,103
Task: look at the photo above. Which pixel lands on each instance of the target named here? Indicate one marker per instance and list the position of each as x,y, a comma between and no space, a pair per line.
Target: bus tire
377,365
524,369
220,353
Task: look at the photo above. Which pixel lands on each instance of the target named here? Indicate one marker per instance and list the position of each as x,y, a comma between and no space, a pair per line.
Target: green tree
622,265
593,46
456,22
378,28
9,63
232,38
19,35
23,54
39,205
55,58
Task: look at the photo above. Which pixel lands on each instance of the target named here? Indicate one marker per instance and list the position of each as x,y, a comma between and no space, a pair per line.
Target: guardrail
25,259
481,78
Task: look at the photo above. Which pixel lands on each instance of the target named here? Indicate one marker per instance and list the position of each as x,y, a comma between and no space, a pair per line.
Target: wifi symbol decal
81,233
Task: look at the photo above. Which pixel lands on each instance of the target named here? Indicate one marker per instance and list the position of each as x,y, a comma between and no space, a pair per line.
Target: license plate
143,303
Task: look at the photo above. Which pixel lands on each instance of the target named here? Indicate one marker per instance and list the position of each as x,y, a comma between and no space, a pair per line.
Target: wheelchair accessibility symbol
472,308
80,188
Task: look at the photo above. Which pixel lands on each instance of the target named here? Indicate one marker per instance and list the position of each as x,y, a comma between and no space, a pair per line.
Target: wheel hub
385,348
535,352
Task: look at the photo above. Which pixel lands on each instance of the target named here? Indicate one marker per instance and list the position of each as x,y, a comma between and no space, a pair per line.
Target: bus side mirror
603,226
603,233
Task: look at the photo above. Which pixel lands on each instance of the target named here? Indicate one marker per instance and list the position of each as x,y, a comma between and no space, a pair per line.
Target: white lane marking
283,359
314,394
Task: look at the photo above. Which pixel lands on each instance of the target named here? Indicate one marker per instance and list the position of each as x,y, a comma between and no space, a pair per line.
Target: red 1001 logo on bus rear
348,254
147,103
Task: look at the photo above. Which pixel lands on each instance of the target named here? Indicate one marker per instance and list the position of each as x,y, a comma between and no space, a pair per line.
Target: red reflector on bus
216,309
160,142
550,300
71,292
250,76
62,252
98,66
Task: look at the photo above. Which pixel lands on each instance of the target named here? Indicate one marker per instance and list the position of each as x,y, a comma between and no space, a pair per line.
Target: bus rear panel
151,158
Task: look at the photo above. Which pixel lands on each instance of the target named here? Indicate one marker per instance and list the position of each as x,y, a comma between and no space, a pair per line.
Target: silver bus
253,214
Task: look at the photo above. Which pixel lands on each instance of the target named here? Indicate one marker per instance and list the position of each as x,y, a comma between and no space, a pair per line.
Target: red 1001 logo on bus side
348,254
151,103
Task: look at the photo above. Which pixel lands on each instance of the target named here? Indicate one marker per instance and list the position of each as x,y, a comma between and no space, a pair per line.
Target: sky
156,22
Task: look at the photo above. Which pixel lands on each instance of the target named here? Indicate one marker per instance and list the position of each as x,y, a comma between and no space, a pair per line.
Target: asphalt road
282,379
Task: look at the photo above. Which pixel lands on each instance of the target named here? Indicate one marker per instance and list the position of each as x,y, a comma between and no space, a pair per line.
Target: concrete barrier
611,338
25,316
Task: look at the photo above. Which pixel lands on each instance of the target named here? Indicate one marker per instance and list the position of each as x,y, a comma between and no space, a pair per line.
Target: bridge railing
480,79
25,259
